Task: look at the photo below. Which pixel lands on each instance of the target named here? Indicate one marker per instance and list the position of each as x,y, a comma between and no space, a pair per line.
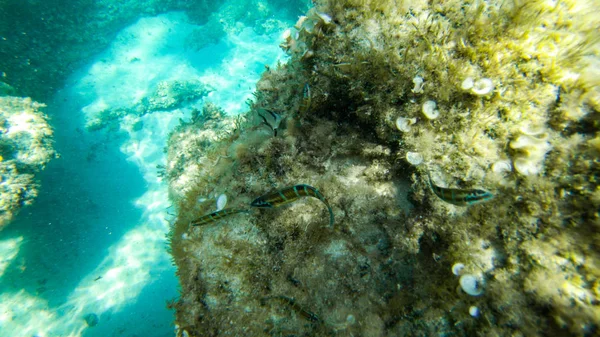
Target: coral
25,149
530,137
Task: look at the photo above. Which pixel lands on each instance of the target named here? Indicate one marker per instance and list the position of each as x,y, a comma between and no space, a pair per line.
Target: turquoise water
88,257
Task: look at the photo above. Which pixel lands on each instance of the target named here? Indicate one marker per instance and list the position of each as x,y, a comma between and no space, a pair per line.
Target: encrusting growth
512,88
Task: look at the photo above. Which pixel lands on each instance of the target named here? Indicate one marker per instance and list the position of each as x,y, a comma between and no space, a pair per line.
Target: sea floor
89,257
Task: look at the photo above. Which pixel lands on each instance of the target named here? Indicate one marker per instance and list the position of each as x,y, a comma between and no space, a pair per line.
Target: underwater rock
170,95
534,243
91,319
167,96
25,148
210,33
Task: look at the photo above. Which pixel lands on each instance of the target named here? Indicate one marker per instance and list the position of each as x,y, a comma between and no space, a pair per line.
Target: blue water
93,243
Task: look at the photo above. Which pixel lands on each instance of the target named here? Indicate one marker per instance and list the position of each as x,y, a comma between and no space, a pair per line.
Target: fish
289,195
97,278
272,120
306,99
460,197
217,215
311,316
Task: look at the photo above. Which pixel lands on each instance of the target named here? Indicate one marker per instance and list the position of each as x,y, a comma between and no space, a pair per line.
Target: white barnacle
482,87
414,158
458,268
467,84
532,149
525,141
474,311
534,130
527,167
221,202
300,22
326,18
404,124
471,285
430,111
418,81
501,166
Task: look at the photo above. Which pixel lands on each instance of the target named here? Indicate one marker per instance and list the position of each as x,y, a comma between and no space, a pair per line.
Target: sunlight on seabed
8,251
114,81
125,271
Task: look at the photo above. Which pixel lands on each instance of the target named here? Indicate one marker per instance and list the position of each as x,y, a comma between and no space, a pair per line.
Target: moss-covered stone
385,269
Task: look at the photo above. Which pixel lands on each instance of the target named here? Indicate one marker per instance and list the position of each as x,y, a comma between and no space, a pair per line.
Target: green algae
386,269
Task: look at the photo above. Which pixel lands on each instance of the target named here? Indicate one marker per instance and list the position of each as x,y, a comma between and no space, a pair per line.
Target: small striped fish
218,215
291,194
306,99
460,197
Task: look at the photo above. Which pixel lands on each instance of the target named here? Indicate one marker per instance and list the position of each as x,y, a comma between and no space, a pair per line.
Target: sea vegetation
25,148
517,113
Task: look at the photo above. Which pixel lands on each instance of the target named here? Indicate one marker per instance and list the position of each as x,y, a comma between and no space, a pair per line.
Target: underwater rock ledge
25,148
516,113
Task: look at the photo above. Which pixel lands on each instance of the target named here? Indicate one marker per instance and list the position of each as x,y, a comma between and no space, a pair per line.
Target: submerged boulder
25,148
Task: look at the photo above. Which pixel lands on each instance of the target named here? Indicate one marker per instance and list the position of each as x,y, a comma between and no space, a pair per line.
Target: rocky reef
25,148
380,102
165,96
